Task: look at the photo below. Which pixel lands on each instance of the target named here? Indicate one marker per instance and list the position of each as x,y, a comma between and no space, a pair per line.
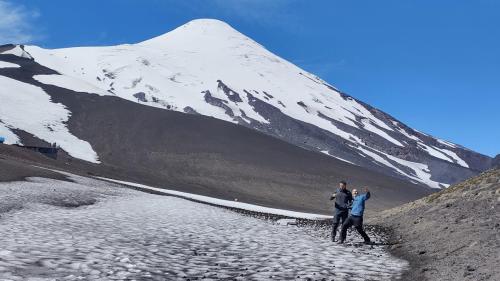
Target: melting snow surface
29,108
121,234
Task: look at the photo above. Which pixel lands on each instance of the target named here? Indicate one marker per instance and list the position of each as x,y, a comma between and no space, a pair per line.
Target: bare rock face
452,234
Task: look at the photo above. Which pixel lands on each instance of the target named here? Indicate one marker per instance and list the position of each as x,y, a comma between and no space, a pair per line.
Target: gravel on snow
86,229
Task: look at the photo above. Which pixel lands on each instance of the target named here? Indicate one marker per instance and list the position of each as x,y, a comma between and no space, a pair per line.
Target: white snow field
88,229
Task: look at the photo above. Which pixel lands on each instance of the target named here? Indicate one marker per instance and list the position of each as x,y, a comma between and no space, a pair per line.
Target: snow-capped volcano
206,67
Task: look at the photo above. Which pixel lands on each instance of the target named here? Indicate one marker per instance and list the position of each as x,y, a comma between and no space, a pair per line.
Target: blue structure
2,139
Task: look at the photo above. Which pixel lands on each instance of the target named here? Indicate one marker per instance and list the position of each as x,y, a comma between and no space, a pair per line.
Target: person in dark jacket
343,199
356,217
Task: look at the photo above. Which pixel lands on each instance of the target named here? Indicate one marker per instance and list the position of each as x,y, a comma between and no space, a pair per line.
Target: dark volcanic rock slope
453,234
207,68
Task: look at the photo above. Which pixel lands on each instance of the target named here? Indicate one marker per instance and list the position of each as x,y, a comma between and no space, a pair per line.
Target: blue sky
435,65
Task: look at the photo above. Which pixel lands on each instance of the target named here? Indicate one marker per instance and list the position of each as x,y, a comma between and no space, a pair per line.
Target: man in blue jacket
356,217
343,200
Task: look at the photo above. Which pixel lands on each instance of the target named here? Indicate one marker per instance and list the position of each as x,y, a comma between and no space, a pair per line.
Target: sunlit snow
4,64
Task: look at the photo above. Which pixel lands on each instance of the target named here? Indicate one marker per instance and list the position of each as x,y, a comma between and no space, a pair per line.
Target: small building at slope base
50,152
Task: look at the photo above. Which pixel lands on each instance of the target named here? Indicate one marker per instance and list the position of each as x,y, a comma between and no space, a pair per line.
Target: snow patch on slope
29,108
68,82
225,203
455,157
422,174
342,159
17,51
4,64
406,134
10,137
435,152
444,154
447,143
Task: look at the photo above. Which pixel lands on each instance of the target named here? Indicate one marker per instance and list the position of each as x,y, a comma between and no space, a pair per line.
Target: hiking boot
368,242
340,242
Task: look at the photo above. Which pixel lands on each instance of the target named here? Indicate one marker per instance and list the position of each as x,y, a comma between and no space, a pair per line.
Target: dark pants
357,222
339,216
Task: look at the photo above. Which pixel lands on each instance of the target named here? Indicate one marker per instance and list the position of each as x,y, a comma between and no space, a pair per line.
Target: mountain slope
203,155
194,153
452,234
206,67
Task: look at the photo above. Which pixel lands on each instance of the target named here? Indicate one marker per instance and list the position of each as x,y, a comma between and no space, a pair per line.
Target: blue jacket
358,204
